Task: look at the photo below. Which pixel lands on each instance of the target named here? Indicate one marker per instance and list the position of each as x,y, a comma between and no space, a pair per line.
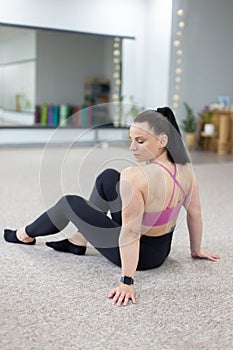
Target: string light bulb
176,43
116,52
179,71
180,12
181,24
177,79
176,97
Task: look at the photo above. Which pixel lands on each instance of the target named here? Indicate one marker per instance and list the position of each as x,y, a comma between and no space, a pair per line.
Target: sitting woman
139,233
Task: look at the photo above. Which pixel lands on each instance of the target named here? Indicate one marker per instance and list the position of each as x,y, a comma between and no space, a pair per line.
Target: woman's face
145,146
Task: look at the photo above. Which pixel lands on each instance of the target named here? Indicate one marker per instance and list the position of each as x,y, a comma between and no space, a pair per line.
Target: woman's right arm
194,219
194,222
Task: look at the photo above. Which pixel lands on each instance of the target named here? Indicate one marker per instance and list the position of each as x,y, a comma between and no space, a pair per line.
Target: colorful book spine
84,116
76,113
50,115
64,114
55,115
37,115
44,114
89,116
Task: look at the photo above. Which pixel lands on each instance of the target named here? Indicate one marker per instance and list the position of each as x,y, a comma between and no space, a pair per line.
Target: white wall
1,74
115,17
94,16
146,62
157,54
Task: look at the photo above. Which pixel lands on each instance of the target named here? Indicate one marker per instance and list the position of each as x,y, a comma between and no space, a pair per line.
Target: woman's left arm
129,242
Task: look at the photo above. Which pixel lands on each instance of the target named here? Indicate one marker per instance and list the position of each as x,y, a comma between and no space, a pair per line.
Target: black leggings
101,231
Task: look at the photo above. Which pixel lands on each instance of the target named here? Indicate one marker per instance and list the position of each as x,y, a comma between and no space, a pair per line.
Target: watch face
127,280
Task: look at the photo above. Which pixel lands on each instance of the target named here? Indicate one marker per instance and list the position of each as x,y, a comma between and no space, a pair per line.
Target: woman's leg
78,239
105,195
99,230
96,227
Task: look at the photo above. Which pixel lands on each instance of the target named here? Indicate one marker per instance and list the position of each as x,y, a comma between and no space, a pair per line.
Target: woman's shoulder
185,169
134,174
130,171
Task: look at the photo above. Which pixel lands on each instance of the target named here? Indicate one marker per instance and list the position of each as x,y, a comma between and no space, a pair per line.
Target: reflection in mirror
17,73
47,75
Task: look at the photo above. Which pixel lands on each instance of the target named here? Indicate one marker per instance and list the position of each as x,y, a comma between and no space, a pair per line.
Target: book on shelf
44,114
50,115
64,114
55,120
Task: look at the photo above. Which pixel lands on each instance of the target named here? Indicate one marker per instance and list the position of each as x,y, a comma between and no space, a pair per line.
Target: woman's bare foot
22,236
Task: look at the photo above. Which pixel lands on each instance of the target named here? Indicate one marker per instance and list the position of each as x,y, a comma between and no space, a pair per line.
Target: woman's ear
163,140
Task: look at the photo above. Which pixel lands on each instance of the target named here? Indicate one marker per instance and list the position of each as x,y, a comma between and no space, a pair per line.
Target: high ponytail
167,112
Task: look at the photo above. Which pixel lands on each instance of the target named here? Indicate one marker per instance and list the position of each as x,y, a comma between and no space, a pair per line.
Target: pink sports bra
168,214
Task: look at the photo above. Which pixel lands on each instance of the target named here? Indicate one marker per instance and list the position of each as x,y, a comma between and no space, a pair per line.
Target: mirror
64,71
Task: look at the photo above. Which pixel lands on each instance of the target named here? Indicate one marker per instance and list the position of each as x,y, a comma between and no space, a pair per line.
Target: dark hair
163,121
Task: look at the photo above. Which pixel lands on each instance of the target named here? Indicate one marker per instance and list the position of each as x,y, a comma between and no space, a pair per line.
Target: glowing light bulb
116,60
177,79
180,12
176,97
176,43
181,24
179,52
116,52
179,71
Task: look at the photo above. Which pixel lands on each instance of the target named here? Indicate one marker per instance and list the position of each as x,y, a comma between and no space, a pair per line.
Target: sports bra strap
174,178
174,186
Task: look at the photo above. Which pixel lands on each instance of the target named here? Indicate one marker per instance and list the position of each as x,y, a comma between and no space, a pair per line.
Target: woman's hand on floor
122,294
205,255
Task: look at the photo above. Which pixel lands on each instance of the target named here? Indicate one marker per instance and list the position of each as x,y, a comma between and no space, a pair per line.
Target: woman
143,217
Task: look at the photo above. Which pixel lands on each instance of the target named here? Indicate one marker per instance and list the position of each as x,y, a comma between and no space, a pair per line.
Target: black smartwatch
127,280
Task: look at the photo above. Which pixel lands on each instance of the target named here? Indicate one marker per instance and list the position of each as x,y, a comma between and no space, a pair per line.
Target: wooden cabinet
221,140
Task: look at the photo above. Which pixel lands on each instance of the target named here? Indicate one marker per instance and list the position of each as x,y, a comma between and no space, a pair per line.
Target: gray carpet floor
51,300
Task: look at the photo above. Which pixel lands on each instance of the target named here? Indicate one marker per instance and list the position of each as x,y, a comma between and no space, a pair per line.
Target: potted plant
189,126
206,124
